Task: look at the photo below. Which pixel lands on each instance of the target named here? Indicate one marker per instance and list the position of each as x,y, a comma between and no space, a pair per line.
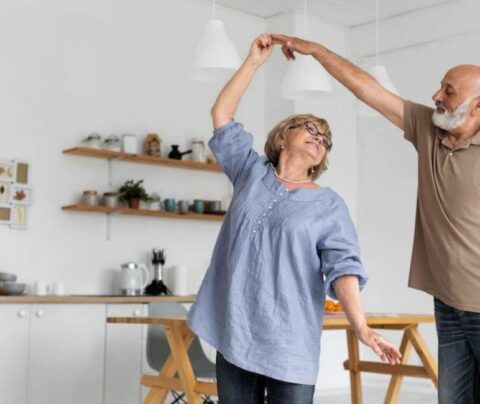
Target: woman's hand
292,44
384,349
261,49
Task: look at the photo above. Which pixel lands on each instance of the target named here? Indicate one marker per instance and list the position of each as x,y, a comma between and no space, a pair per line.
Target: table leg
396,380
424,354
353,360
184,367
157,395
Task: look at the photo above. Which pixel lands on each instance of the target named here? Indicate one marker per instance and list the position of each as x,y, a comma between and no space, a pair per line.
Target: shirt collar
445,140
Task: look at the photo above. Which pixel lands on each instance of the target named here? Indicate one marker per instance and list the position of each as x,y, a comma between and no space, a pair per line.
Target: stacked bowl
9,284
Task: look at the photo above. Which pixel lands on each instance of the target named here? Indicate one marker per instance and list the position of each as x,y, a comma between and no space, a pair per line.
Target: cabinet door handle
22,313
40,313
137,312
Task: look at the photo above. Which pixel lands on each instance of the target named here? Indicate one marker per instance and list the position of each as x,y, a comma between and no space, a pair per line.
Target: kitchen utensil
131,282
112,143
177,154
157,287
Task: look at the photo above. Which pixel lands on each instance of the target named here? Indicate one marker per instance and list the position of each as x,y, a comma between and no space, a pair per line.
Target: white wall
114,66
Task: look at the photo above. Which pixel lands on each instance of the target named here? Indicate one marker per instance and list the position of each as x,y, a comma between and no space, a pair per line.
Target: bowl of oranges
333,307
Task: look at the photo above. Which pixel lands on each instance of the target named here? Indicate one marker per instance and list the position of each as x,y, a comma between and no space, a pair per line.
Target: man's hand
291,44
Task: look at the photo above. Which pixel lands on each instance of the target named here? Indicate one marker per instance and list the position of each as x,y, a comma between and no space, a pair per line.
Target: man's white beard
451,120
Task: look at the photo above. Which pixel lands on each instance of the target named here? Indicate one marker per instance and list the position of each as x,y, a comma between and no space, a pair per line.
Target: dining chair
158,348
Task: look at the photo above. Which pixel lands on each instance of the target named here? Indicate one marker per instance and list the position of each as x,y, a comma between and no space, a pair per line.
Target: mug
198,206
183,206
170,204
213,206
40,288
58,288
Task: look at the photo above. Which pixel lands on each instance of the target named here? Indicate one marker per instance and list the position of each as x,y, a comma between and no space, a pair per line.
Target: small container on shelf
152,145
110,199
90,197
93,141
198,150
129,143
112,143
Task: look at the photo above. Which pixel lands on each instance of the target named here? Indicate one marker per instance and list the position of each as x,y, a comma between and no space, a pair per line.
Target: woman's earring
282,147
312,171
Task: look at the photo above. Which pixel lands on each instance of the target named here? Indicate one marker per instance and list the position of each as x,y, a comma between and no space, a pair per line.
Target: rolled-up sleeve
232,147
340,253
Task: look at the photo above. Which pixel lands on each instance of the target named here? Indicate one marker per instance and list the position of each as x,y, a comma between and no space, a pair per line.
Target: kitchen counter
92,299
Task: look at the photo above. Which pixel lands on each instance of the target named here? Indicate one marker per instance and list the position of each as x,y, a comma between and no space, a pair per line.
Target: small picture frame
20,194
7,170
18,218
5,214
22,172
5,192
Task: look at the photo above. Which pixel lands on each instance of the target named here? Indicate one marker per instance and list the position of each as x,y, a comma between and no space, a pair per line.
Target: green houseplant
133,192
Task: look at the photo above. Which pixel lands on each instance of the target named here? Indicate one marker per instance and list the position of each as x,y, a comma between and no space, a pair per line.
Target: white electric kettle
131,282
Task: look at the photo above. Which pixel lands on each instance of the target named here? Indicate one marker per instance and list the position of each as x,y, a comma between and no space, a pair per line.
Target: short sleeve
232,147
340,253
415,116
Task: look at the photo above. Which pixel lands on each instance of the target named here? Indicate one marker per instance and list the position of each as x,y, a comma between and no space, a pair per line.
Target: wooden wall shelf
141,158
143,212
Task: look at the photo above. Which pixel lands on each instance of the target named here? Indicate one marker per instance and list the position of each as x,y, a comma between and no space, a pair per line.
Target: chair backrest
158,349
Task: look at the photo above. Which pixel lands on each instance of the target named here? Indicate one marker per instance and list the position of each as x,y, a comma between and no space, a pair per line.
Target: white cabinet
123,358
66,360
14,320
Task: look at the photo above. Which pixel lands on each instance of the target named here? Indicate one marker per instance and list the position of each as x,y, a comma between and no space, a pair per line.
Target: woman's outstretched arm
227,101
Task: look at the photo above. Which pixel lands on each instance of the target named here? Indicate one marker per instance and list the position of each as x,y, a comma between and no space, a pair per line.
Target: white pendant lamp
305,78
214,55
378,71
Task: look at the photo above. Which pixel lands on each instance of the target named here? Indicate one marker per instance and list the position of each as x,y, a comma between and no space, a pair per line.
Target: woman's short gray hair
280,131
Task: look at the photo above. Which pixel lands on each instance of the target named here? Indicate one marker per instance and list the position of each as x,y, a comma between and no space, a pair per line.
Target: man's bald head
466,78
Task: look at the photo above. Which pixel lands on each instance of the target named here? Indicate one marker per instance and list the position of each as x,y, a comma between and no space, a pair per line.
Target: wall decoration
18,219
21,195
5,192
21,176
5,215
7,170
15,194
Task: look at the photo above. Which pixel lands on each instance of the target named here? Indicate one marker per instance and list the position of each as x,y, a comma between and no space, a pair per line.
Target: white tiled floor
376,395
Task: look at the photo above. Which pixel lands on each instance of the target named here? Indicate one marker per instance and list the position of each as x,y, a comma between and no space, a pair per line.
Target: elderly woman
284,244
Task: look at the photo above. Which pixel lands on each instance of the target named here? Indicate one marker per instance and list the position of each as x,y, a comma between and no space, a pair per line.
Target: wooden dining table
180,337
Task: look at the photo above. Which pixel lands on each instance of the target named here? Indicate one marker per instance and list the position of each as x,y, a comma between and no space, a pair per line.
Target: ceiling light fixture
214,55
305,78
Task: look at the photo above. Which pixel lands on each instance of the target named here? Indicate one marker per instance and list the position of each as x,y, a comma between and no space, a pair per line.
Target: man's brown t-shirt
446,249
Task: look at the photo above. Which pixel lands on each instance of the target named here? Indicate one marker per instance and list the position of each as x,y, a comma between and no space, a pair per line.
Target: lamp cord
377,30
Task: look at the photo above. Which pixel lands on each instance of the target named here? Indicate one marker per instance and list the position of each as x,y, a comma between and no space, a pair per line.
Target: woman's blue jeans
239,386
458,355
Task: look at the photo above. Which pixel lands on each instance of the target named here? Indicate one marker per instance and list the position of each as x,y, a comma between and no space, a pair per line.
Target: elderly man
446,251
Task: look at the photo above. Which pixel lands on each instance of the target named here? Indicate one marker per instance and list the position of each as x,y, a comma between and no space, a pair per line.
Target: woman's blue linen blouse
278,253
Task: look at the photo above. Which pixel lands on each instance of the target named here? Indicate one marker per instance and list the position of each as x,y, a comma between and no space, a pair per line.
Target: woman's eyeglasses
312,129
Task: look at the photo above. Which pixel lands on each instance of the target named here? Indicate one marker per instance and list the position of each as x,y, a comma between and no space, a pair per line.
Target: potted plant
133,192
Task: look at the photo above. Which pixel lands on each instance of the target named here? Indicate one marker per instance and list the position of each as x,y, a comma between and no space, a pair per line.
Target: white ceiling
345,12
